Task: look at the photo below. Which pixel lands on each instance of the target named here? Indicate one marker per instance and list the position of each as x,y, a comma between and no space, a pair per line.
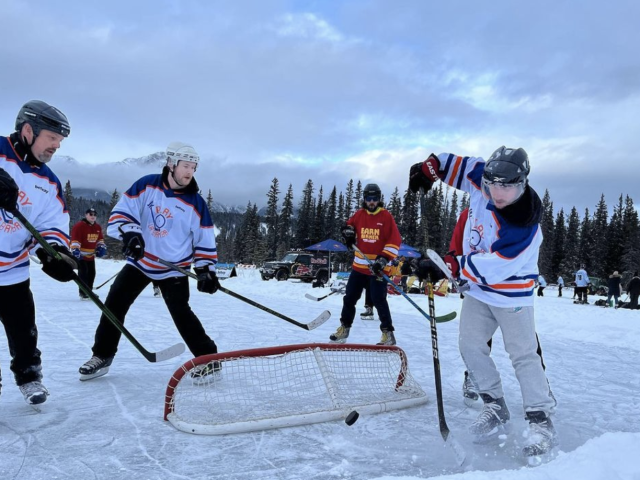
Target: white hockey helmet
177,151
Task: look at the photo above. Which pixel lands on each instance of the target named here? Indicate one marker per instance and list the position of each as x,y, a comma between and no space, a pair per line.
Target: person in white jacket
501,246
29,186
160,216
542,284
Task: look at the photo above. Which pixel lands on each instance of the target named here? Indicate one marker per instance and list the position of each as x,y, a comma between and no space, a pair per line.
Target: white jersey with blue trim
500,260
40,201
175,224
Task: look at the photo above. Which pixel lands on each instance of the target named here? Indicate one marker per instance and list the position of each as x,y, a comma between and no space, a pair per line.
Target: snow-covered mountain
99,181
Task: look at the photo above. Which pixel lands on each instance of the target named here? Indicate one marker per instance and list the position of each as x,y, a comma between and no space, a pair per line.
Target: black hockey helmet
507,166
42,116
371,190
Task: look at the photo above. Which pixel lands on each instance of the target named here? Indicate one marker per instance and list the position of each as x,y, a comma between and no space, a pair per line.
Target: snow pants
127,286
87,273
377,289
478,323
18,316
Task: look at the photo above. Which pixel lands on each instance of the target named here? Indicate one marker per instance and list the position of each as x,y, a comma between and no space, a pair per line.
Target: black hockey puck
352,418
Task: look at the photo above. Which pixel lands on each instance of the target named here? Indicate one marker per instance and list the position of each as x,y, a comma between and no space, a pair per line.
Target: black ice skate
367,314
541,438
34,392
492,421
95,367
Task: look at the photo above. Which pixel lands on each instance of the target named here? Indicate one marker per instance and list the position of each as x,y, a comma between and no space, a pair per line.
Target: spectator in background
560,285
633,289
542,283
582,285
87,243
613,286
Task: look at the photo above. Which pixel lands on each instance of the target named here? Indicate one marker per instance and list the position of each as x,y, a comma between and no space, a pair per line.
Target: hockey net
289,385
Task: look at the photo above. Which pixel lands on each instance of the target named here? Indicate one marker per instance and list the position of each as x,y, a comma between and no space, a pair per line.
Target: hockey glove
453,264
76,253
207,280
58,269
379,264
422,175
427,270
8,191
133,245
349,235
101,251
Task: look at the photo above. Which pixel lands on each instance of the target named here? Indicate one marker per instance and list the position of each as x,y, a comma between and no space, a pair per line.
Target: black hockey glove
8,191
349,235
133,245
60,270
379,264
207,280
428,270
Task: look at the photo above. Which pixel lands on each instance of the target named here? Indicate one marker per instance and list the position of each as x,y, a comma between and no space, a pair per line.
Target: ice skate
388,338
34,392
209,372
156,292
470,392
541,438
95,367
341,335
492,421
367,314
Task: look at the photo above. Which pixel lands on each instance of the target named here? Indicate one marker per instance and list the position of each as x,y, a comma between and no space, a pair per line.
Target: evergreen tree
348,201
271,220
464,204
305,217
319,220
545,263
630,259
340,214
285,235
408,225
614,240
586,241
357,197
571,261
115,197
395,205
557,259
452,219
599,238
331,220
68,197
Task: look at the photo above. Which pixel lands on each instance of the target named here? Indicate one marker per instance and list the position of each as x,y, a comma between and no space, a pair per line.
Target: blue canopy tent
408,251
328,245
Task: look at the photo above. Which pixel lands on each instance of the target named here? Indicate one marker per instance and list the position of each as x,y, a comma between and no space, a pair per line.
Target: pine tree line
602,244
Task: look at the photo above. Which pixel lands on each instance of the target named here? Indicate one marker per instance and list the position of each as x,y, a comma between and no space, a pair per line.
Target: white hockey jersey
40,200
175,224
500,260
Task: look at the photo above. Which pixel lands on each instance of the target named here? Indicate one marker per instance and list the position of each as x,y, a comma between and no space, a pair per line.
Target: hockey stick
449,441
103,284
317,299
160,356
444,318
324,316
437,259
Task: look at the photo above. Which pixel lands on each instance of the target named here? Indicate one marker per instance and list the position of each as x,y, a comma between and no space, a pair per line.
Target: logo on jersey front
7,223
161,220
369,235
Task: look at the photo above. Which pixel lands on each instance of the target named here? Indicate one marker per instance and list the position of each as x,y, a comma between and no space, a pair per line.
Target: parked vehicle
306,266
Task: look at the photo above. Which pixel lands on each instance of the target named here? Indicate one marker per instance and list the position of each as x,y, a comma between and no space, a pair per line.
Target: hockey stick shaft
444,428
166,354
398,289
317,299
307,326
437,259
103,284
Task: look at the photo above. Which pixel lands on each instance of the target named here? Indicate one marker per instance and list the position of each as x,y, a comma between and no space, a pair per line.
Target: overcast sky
332,90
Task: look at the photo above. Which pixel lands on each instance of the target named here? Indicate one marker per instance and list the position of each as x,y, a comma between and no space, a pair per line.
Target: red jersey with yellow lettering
376,234
87,238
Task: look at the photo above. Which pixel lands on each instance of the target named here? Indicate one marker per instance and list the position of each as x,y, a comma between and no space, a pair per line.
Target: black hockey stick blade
166,354
315,323
317,299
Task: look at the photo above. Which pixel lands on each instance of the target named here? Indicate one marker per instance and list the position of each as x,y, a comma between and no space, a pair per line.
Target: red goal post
289,385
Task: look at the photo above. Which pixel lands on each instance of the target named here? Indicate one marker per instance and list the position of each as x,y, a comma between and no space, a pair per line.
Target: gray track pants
478,323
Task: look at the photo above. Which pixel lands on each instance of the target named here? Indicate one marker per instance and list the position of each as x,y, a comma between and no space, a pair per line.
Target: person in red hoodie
374,231
87,243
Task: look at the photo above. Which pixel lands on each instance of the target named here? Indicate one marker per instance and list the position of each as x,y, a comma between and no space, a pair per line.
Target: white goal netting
290,385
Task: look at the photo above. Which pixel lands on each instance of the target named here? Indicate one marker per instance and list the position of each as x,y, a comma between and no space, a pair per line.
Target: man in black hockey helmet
29,186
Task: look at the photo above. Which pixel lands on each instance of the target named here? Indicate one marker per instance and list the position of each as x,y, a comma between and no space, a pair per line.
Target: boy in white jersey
501,244
30,187
163,215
